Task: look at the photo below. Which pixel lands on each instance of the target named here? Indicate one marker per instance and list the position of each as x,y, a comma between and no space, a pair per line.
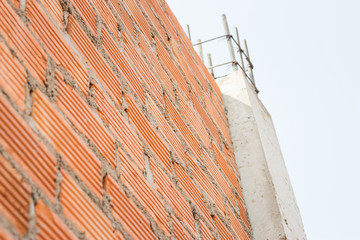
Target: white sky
306,57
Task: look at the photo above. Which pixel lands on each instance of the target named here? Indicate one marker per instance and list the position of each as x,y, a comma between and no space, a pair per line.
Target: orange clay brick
167,131
49,224
25,147
179,231
127,213
218,105
229,173
142,67
193,119
243,215
102,70
4,235
236,226
123,65
171,66
86,12
119,127
79,114
224,233
106,14
219,178
205,117
14,196
150,56
22,42
125,18
55,44
183,128
55,10
12,76
188,185
138,119
206,185
168,190
138,17
83,213
205,232
66,142
143,192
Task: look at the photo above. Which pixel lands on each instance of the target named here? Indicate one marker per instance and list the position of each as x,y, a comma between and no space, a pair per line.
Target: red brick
83,213
163,18
125,18
86,12
4,235
119,127
183,128
138,119
205,117
66,142
191,190
12,76
167,131
55,44
123,64
152,59
102,70
106,14
236,226
218,105
127,213
55,10
205,232
20,39
229,173
145,72
79,114
49,225
224,233
23,145
179,231
143,192
243,215
168,190
168,62
139,17
219,178
14,196
206,185
193,119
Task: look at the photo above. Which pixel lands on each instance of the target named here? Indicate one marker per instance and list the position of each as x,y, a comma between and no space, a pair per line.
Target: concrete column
268,194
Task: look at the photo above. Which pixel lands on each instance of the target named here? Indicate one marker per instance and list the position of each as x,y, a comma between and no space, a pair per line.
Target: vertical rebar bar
200,49
239,50
249,64
187,30
228,36
210,65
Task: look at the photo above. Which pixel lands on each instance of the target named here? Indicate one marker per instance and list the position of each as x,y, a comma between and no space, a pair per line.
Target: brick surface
12,76
66,142
126,90
82,212
49,225
21,40
79,114
14,197
126,212
25,147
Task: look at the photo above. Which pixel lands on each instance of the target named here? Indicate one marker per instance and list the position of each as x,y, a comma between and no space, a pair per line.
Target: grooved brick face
111,127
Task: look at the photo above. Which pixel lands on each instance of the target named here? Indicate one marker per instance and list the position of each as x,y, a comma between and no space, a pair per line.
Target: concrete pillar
268,195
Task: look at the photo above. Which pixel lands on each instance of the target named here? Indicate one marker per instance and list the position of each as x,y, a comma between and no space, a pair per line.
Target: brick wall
111,127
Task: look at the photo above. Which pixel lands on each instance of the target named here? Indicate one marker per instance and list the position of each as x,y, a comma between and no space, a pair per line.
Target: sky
307,68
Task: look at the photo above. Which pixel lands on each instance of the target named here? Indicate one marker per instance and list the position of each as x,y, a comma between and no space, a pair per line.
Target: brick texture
111,127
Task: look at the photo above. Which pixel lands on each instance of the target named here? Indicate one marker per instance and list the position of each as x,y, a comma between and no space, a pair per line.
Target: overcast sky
307,68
